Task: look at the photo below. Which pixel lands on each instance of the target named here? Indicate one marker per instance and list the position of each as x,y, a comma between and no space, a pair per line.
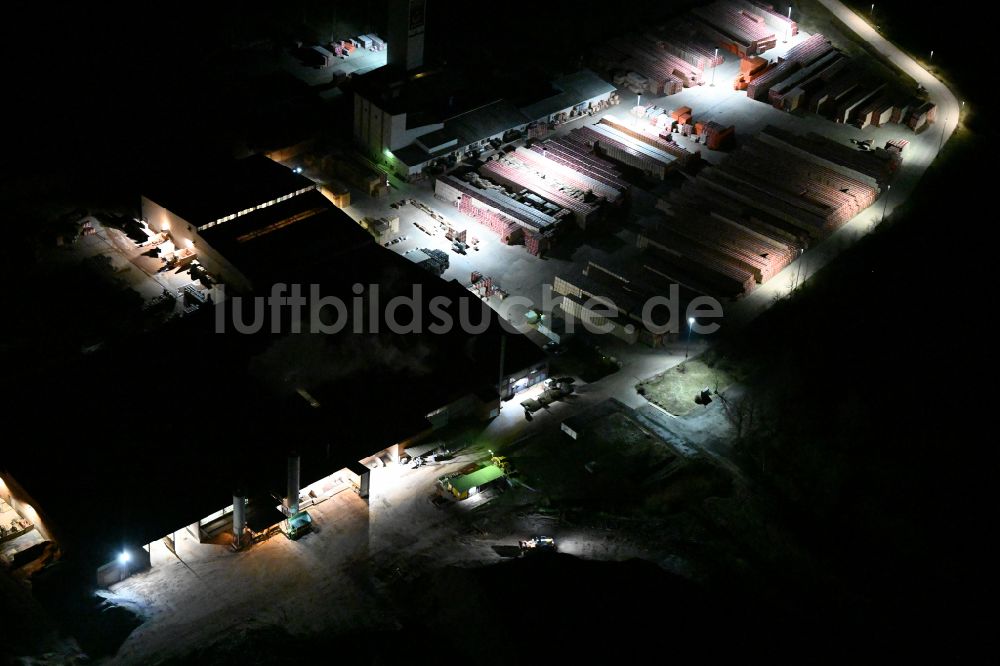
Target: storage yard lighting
687,347
124,557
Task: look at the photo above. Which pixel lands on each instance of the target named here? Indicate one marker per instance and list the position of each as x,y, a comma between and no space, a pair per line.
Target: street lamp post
788,26
932,54
715,66
798,269
687,347
885,204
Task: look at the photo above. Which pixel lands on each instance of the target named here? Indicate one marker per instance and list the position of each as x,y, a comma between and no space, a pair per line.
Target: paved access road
917,157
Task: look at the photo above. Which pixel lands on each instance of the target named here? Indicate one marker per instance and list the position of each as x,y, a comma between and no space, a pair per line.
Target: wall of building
513,383
377,131
406,33
184,234
19,500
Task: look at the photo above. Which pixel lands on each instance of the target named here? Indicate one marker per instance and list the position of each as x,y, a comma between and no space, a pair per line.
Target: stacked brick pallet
576,178
922,115
711,266
701,57
680,154
738,30
741,222
674,268
609,142
717,136
799,56
687,72
794,183
841,88
872,164
764,257
896,144
789,93
849,106
663,72
876,111
775,20
577,157
508,230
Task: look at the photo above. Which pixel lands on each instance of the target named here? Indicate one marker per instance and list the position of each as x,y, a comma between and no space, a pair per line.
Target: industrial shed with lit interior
224,437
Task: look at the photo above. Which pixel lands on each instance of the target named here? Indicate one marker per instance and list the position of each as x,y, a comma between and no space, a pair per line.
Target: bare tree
743,412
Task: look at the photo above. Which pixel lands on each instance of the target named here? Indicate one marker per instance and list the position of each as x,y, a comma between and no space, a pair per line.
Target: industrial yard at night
410,332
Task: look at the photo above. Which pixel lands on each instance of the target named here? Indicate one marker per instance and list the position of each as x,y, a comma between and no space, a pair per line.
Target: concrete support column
239,517
292,498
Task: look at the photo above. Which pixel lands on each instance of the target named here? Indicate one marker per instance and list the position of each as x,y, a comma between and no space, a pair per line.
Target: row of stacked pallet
524,169
643,64
799,56
708,264
572,155
680,154
790,93
581,184
681,38
876,111
751,215
739,30
607,141
792,177
874,164
781,24
765,257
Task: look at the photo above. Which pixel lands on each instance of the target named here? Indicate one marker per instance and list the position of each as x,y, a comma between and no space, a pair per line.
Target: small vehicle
537,544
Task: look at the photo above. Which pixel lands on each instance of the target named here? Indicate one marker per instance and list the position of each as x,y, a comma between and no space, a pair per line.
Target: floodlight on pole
885,204
687,347
715,66
124,557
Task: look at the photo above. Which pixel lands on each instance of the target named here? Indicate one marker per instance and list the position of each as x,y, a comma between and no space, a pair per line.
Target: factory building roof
571,90
190,411
462,130
426,95
298,234
208,193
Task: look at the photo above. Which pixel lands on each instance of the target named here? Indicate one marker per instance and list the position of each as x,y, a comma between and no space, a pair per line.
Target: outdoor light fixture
124,557
687,347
